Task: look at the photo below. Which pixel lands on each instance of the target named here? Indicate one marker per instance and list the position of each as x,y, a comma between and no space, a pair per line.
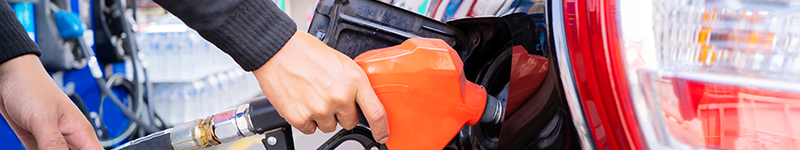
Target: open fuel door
356,26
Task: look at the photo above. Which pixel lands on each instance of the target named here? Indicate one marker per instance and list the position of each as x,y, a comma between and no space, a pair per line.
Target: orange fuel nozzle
422,86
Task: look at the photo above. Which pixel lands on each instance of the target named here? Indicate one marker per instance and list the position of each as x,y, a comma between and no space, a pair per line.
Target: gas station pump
92,56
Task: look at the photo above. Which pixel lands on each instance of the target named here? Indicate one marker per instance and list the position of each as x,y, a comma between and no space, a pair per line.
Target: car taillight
715,73
683,74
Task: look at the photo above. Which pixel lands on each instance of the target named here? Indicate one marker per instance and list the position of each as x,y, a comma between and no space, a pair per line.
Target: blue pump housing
69,24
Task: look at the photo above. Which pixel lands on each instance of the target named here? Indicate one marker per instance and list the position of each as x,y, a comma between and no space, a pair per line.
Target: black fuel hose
98,76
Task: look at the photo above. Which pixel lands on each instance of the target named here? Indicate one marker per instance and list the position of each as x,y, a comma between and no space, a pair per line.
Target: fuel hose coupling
192,135
233,124
224,127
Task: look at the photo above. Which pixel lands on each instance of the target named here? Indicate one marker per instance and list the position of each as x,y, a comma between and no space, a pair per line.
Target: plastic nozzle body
424,92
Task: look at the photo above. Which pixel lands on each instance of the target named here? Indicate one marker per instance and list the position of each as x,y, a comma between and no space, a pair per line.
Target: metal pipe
224,127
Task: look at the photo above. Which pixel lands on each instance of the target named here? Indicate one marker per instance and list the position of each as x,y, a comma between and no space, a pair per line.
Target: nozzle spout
493,113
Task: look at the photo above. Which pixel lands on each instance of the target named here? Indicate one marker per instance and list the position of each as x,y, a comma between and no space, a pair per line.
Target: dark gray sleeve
250,31
14,41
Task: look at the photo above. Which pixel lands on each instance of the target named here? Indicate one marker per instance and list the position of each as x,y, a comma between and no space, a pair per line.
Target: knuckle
327,125
320,111
356,71
337,91
361,80
327,129
356,77
307,131
349,125
297,122
307,128
318,114
348,112
339,98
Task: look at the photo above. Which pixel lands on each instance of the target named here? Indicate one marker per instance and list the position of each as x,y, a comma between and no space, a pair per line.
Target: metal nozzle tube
493,113
227,126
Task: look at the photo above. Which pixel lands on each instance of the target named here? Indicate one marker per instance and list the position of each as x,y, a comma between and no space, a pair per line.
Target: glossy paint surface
591,34
527,72
541,119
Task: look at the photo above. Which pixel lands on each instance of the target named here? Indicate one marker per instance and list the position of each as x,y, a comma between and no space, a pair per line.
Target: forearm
17,50
250,31
14,41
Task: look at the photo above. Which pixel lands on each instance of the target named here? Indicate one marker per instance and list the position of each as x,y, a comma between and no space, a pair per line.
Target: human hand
41,115
312,85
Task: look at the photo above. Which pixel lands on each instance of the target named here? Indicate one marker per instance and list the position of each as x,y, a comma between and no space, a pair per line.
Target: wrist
24,67
298,41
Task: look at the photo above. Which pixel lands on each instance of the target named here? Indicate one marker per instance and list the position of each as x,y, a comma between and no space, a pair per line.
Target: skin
312,85
41,115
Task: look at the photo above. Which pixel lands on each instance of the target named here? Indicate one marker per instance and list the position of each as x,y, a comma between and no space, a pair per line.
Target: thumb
373,111
48,136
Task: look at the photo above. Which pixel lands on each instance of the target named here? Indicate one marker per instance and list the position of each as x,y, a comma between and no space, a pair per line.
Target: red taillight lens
686,74
596,68
714,73
720,111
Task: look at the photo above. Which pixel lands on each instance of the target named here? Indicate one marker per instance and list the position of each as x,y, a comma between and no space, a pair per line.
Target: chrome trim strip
567,80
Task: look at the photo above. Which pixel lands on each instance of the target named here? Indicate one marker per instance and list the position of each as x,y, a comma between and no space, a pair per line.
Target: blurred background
193,79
